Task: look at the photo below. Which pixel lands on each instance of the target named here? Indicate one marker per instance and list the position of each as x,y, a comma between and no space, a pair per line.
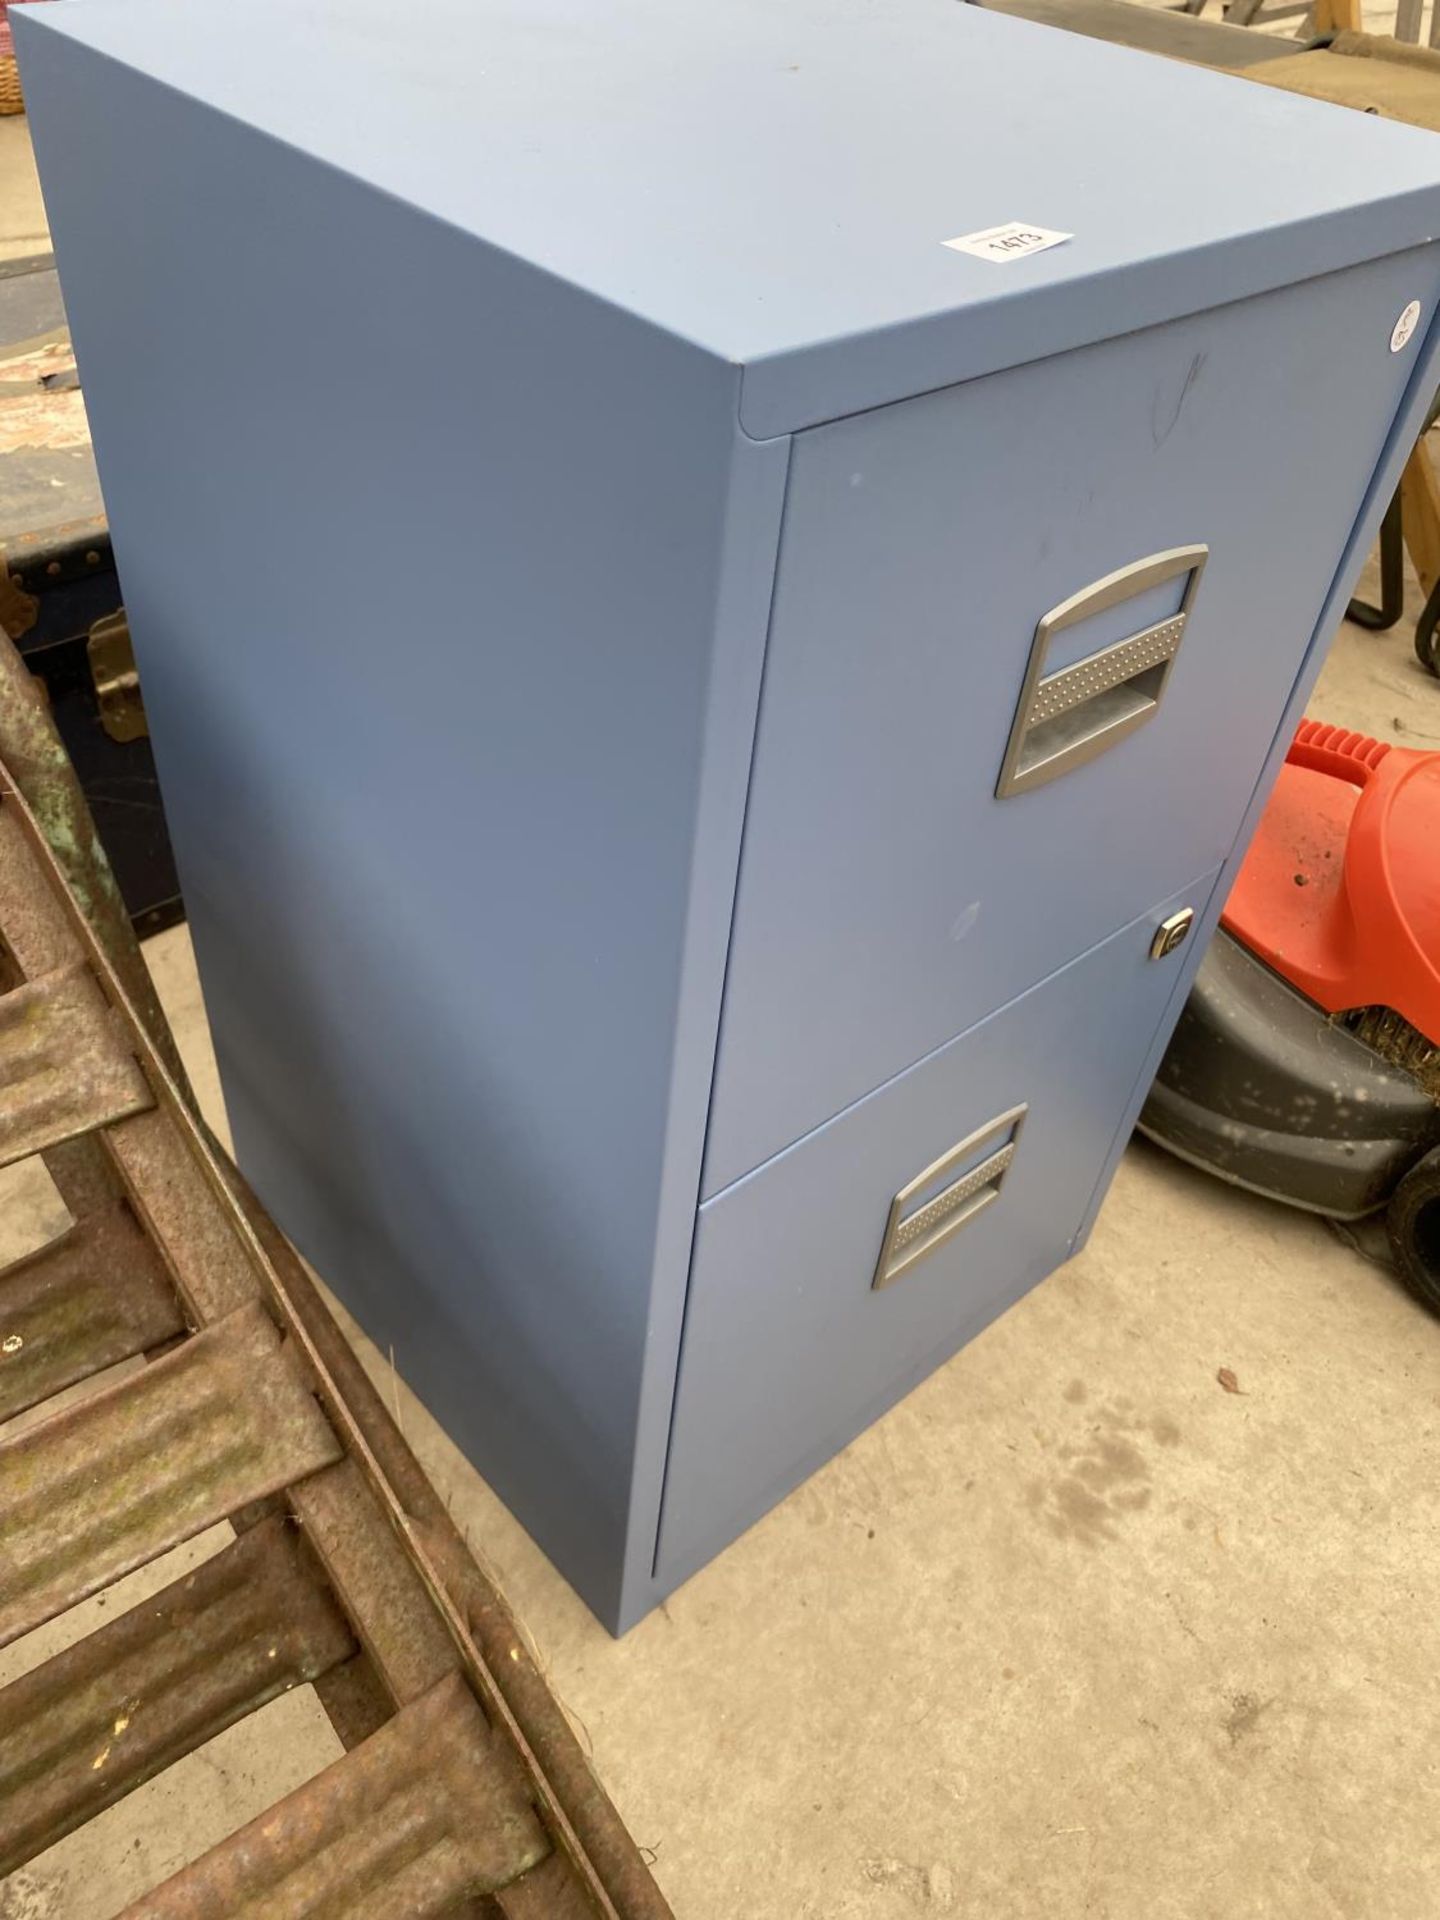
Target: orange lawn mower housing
1306,1065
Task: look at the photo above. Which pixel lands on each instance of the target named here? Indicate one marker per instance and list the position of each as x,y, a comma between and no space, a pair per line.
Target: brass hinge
117,683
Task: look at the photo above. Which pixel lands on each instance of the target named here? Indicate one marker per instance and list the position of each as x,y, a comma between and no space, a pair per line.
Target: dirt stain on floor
1106,1473
1244,1716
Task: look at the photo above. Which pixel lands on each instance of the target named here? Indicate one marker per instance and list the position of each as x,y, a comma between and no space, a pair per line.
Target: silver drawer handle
917,1225
1067,717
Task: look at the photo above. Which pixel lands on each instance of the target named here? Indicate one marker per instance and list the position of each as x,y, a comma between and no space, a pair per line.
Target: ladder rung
548,1892
410,1822
37,930
110,1483
110,1712
176,1204
360,1550
64,1066
95,1296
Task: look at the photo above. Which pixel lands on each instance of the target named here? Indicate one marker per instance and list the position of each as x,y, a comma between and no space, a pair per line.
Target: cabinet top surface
775,180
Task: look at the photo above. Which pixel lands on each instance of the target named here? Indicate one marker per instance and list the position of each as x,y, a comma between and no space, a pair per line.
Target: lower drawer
956,1186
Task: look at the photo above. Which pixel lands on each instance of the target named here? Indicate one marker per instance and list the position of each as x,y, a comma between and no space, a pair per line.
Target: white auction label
1405,326
1014,241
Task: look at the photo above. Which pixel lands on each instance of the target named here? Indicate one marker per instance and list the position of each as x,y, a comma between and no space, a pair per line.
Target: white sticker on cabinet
1405,326
1014,241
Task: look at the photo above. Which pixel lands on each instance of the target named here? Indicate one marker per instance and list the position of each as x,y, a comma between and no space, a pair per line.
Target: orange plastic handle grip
1352,757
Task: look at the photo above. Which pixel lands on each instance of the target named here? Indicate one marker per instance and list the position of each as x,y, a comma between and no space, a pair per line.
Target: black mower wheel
1413,1222
1427,632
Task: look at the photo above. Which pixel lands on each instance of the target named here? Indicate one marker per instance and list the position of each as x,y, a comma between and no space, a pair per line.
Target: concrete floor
1074,1631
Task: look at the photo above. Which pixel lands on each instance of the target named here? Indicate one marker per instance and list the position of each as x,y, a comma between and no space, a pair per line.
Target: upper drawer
887,897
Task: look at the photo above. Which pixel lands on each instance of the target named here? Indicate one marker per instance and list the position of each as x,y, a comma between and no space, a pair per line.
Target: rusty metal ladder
462,1790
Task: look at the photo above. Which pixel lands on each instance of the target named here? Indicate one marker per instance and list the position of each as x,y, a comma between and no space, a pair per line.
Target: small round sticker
1405,326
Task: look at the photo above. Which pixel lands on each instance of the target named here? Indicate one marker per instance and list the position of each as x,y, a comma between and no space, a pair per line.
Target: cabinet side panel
424,555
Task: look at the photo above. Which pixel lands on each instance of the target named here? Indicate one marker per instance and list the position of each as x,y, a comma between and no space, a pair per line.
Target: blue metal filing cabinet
695,710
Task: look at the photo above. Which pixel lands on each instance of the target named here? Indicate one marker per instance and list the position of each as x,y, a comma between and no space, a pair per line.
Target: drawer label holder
923,1219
